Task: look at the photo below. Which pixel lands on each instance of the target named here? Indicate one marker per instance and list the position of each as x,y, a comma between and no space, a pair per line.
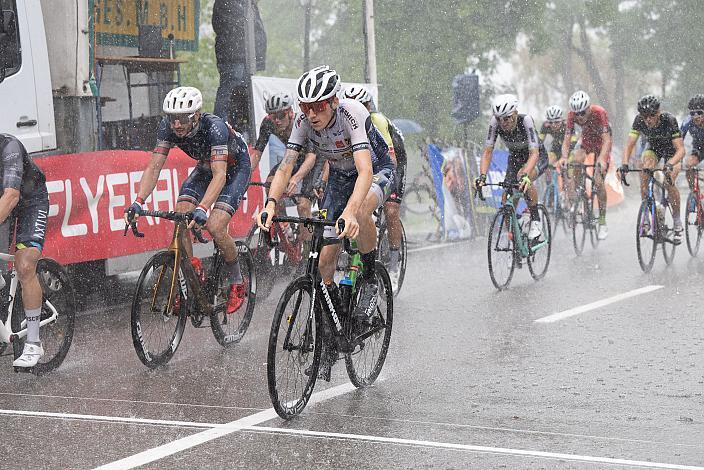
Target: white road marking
474,448
188,442
111,419
433,247
598,304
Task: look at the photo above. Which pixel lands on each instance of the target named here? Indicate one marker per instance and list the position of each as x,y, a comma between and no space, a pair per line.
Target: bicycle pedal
27,370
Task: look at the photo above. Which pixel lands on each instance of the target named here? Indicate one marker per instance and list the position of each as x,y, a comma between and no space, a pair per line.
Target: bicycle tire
667,233
160,265
507,258
305,349
594,219
403,260
229,332
645,259
419,199
693,228
549,202
537,271
365,362
579,227
262,261
56,337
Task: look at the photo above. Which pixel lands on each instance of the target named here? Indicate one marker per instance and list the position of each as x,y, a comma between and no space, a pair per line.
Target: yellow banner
123,17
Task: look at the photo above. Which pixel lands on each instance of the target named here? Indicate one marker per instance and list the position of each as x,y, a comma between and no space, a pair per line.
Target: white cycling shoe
603,232
30,355
536,229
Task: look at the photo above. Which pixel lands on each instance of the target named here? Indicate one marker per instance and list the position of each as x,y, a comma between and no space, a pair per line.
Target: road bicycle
58,314
553,199
170,289
584,209
655,223
276,252
508,244
308,324
383,249
694,216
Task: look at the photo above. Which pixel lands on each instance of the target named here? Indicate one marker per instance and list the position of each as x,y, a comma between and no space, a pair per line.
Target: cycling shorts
31,215
658,154
340,188
196,184
516,161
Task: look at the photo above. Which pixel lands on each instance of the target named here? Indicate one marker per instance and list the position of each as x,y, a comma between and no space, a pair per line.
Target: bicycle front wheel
540,249
550,202
157,325
295,343
365,362
229,328
56,336
501,250
580,220
693,224
646,235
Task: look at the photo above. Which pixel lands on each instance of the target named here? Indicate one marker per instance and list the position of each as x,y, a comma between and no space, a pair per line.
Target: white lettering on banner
167,195
93,199
66,229
116,200
54,187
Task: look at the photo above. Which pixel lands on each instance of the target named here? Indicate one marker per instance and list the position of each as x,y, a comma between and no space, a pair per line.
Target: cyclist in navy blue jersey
216,185
694,126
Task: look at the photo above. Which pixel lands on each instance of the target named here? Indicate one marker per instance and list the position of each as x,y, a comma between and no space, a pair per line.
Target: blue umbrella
408,126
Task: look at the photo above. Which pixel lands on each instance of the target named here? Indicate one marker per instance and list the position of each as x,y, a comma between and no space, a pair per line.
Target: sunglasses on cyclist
317,106
648,115
506,118
581,113
184,119
696,112
279,115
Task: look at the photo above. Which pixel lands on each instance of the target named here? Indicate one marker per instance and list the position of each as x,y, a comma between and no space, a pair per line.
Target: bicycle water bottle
198,267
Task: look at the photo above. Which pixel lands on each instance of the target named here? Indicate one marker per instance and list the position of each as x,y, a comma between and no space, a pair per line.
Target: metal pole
306,35
369,42
251,67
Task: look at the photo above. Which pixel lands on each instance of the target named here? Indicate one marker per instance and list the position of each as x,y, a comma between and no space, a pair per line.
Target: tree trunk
567,77
619,109
586,54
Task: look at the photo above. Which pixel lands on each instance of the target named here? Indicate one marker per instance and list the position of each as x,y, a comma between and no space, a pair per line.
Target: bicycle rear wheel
667,234
693,223
646,235
157,326
365,362
295,343
383,255
580,219
229,328
58,295
539,259
501,250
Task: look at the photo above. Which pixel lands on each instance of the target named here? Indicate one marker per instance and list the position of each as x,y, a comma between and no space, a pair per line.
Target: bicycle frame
525,249
6,333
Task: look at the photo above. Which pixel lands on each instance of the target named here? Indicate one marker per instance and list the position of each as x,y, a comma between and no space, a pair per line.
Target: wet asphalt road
471,379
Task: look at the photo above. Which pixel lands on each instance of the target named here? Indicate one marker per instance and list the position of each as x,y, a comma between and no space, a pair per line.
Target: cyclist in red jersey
596,139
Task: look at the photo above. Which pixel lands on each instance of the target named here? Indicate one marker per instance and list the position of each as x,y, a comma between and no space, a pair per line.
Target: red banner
88,193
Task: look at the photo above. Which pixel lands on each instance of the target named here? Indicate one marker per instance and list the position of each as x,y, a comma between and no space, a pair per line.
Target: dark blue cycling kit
211,140
21,173
697,133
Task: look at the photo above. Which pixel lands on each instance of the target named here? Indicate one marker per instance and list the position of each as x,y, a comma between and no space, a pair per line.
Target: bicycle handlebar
649,171
502,184
169,215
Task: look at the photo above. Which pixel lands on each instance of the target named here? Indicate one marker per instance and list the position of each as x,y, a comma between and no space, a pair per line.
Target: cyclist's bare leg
649,160
304,206
579,157
328,261
673,192
26,264
366,240
392,210
690,163
601,190
184,207
532,193
217,227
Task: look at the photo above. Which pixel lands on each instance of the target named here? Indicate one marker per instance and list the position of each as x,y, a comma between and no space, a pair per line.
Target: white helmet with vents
358,93
318,84
554,113
278,102
503,105
183,100
579,101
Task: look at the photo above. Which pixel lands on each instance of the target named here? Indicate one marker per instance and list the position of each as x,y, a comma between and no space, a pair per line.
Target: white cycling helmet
278,102
554,113
579,101
503,105
318,84
183,100
358,93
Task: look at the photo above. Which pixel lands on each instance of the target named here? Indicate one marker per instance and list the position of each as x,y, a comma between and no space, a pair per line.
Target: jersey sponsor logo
340,144
350,118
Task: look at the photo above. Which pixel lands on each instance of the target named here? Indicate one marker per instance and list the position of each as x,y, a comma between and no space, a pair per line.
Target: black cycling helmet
648,104
697,102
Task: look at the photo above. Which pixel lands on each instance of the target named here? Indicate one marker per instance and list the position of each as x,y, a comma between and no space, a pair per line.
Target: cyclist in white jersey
361,173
